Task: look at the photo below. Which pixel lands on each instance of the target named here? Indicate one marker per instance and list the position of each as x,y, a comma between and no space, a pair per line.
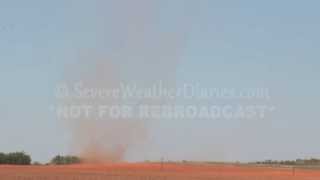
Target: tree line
21,158
308,162
17,158
63,160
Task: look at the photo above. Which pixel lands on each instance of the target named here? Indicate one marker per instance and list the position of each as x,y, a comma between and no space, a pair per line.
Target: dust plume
141,53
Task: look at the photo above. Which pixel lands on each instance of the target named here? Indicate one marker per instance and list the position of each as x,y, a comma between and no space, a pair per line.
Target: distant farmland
156,171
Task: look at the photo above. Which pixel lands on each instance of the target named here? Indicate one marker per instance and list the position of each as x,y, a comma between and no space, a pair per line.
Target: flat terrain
149,171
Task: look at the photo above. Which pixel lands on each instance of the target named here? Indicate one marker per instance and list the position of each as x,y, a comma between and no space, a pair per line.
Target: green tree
62,160
3,159
16,158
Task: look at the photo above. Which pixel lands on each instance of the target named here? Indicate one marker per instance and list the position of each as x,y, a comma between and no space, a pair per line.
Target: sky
222,44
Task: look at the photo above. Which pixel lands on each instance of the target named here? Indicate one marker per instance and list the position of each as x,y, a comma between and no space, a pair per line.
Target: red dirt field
149,171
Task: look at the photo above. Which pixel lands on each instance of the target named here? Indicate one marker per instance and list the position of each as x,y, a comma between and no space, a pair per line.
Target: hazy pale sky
234,44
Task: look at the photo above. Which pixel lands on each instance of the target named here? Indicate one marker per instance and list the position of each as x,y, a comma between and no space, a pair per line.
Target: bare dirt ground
148,171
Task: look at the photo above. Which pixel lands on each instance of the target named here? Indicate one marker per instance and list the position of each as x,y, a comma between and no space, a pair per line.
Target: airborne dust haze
146,55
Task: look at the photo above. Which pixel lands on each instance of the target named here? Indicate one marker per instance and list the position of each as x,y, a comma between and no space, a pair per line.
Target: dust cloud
146,54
